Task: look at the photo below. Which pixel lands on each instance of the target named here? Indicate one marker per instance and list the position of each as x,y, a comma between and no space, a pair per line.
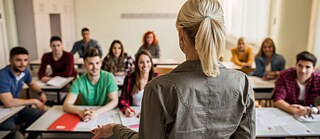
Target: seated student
135,82
82,45
299,86
12,78
242,55
117,61
268,62
150,43
96,88
61,62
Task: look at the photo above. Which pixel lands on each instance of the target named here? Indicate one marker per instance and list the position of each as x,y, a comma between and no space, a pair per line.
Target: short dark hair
306,56
17,51
55,38
91,52
85,29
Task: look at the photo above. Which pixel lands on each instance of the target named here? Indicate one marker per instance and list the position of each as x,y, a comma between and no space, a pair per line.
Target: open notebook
316,118
56,81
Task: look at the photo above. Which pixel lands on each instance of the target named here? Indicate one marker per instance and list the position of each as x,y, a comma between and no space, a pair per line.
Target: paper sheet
129,121
316,118
103,119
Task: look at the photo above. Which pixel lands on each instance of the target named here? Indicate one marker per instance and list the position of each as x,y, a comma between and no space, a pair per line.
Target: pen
310,114
126,104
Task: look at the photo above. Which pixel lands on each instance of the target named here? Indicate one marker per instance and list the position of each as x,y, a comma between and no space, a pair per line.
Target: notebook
315,119
57,81
66,122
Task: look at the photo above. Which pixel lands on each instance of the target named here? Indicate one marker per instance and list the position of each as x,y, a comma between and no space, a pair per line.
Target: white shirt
302,90
137,98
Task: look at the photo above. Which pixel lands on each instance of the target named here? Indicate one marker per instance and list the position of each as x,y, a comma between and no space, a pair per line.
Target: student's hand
128,112
103,131
246,65
43,97
87,114
300,110
39,104
45,79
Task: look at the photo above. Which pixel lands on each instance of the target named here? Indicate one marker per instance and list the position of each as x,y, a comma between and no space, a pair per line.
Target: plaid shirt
111,65
287,88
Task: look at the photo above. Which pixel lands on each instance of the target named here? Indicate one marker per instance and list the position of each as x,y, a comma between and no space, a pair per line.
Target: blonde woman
242,54
200,98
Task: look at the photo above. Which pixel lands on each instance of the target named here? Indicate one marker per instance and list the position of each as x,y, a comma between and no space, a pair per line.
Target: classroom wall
293,29
103,18
316,46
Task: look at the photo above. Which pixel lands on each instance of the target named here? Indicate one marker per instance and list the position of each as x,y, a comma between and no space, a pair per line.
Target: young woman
242,55
150,43
117,61
268,62
135,82
199,99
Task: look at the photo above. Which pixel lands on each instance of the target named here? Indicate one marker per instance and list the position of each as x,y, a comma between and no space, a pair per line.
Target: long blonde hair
204,24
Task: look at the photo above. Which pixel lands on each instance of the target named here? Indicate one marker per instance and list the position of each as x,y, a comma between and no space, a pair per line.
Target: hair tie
207,17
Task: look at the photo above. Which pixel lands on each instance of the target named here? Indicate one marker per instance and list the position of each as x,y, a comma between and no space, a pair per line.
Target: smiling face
267,49
304,70
19,62
241,46
144,64
116,50
150,39
93,65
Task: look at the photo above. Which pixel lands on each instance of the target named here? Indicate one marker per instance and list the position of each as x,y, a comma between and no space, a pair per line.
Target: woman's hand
103,131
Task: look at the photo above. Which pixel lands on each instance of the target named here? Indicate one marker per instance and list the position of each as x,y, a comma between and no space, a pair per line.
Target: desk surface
38,62
258,83
272,122
54,113
6,113
48,87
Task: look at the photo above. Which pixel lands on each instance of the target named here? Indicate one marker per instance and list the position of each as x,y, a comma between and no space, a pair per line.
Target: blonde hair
204,24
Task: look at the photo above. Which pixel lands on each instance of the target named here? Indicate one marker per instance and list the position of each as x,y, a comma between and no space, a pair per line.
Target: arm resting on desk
33,86
293,109
68,105
8,101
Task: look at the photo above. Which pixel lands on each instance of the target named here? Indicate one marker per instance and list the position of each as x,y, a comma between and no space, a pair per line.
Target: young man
96,88
297,88
61,62
82,45
12,78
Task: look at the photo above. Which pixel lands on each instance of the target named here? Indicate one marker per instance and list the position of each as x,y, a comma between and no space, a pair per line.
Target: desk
165,62
6,113
263,89
280,130
55,112
45,87
37,62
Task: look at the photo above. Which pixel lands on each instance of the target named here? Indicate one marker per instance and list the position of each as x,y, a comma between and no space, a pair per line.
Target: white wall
4,60
294,29
103,18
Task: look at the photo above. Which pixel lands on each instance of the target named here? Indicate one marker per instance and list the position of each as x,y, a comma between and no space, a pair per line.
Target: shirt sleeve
28,77
75,87
124,98
260,70
112,84
280,91
43,67
250,56
235,58
247,125
123,132
4,83
74,48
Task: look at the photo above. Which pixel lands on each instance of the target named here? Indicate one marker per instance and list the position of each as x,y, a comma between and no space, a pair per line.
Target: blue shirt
80,47
10,83
277,64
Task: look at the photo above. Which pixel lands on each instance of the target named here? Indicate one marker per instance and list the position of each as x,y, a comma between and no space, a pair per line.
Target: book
66,122
56,81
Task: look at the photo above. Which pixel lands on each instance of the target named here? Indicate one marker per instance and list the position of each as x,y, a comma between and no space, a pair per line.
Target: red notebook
66,122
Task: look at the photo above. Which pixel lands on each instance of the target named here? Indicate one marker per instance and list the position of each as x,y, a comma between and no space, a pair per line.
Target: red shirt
63,67
287,88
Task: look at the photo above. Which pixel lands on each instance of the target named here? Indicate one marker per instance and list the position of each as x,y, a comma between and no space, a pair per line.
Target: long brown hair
144,39
137,73
267,40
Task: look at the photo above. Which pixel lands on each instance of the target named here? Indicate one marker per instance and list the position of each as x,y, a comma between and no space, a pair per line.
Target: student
82,45
117,60
150,43
200,98
299,86
242,55
12,78
96,88
61,62
135,82
268,62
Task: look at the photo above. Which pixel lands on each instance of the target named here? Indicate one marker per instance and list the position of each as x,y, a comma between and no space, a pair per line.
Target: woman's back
197,106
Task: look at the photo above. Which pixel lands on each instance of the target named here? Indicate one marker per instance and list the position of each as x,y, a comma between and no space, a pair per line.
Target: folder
66,122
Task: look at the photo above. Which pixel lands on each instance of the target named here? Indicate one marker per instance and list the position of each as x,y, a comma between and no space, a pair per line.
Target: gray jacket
186,104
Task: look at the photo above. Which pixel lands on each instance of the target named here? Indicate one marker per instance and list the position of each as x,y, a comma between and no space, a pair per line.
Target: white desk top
166,61
272,122
54,113
6,113
258,83
48,87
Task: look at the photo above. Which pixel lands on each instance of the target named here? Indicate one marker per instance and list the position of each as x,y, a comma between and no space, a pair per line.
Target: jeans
24,118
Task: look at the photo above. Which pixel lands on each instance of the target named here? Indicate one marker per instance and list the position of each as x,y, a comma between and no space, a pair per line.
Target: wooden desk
264,128
45,87
6,113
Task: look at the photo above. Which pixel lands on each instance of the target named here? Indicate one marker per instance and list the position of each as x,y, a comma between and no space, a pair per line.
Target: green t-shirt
94,95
